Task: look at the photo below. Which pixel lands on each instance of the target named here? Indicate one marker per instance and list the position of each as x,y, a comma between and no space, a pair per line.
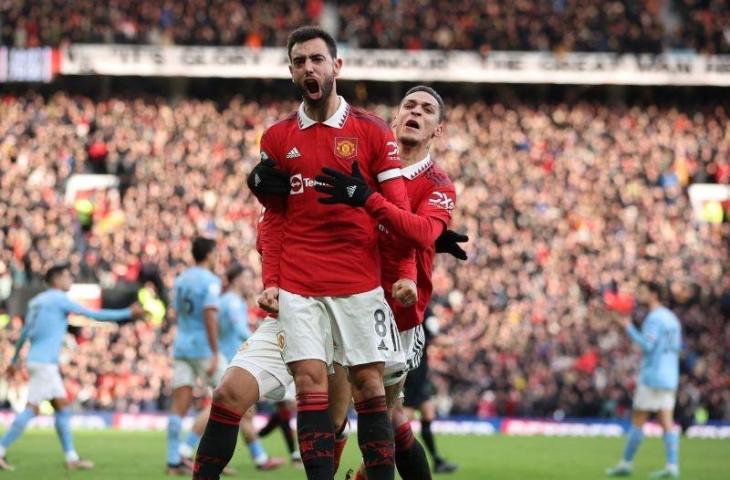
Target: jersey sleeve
422,228
239,318
213,295
103,315
649,334
268,151
386,164
268,243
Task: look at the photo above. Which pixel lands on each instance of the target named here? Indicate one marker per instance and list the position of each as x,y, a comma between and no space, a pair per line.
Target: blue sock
174,425
671,447
63,429
18,427
633,440
192,440
256,449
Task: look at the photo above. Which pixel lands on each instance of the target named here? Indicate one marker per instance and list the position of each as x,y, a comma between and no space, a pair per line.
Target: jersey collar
414,170
335,121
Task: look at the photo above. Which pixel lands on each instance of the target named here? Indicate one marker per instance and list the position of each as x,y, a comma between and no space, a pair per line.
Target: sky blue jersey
194,291
47,321
233,322
660,340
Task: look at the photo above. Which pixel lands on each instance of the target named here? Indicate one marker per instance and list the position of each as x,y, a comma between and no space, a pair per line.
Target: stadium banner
401,65
28,64
452,426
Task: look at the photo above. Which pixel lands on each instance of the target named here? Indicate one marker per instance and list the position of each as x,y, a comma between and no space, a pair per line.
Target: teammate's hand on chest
340,187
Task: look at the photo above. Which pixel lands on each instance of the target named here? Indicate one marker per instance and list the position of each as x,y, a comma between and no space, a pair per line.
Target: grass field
140,456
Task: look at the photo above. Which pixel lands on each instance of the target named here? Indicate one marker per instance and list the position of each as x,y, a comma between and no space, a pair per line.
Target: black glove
448,242
266,179
343,188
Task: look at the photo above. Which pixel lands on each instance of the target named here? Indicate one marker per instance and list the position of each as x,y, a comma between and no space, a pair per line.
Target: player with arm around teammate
432,199
45,328
660,340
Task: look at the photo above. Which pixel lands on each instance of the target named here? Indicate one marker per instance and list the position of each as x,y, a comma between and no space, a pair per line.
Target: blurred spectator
562,202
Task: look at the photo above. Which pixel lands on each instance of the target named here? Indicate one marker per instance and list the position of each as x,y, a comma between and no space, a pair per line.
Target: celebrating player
432,199
233,331
196,300
45,328
331,306
660,340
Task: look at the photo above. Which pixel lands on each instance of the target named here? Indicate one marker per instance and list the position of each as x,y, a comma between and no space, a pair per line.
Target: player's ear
438,130
337,67
291,73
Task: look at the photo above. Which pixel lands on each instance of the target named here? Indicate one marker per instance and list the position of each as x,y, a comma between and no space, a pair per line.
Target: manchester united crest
345,147
281,340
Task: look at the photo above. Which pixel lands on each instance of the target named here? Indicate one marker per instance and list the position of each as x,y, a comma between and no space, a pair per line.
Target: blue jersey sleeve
239,317
104,315
213,295
647,337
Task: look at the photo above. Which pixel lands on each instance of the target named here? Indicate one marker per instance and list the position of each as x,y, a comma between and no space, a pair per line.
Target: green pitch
140,456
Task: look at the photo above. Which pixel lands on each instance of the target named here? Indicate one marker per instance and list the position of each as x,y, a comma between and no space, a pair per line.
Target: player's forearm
420,231
394,191
105,315
270,233
19,345
211,329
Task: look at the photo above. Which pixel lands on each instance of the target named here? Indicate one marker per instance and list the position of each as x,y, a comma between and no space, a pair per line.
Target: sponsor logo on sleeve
441,200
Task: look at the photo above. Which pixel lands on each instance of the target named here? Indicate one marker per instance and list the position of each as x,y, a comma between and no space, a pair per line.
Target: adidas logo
293,153
351,190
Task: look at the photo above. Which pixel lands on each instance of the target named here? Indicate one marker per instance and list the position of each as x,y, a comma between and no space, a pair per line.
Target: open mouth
312,87
413,124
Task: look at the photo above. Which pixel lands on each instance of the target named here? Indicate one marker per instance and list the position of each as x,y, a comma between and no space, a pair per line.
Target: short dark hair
434,94
309,32
54,271
654,288
202,246
233,272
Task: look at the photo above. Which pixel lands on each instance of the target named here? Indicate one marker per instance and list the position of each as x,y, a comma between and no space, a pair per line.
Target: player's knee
367,383
229,396
310,377
398,417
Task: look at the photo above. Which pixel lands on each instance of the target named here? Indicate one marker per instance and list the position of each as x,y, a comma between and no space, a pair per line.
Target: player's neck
410,154
323,110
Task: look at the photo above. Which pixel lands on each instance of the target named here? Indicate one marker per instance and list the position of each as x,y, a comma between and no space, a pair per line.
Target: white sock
261,459
2,451
295,455
625,464
185,450
672,467
72,456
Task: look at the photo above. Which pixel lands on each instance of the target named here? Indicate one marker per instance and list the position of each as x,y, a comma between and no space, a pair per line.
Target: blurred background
589,142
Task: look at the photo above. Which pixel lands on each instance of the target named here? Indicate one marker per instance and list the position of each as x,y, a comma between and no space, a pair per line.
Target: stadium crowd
560,25
562,202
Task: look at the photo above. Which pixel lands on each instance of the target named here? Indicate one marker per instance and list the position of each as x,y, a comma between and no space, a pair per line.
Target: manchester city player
660,339
45,328
196,301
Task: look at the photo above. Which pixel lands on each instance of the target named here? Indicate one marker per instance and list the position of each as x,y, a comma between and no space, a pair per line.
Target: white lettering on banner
400,65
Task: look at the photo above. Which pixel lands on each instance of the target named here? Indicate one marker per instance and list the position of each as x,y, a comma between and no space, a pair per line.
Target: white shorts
45,383
647,399
187,372
349,330
260,356
413,342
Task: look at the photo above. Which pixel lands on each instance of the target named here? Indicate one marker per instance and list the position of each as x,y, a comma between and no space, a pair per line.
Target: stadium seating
561,201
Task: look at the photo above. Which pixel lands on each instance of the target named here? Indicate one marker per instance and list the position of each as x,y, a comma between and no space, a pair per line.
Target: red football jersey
432,197
331,250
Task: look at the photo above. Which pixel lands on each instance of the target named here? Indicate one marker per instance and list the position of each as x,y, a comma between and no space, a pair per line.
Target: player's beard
327,85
